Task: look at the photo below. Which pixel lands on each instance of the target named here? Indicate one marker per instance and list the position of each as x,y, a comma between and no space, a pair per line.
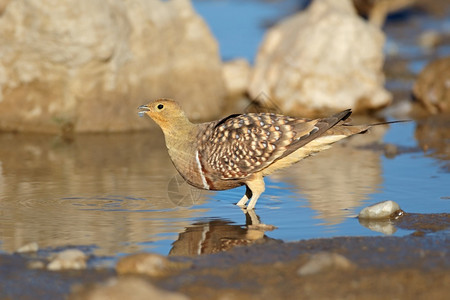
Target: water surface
119,193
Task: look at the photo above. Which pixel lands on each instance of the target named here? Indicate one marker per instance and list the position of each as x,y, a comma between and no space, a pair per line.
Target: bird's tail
390,122
382,123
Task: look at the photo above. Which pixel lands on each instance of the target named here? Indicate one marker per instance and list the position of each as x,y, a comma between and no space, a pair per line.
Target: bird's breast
210,179
192,168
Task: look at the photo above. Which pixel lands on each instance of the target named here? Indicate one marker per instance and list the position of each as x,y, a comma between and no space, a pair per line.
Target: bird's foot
243,206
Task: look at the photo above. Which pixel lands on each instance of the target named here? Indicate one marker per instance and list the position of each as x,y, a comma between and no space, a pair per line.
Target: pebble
124,288
30,247
390,150
35,264
381,210
325,260
429,39
150,264
71,259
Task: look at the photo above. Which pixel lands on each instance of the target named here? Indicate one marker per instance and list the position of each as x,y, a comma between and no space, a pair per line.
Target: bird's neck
179,134
182,146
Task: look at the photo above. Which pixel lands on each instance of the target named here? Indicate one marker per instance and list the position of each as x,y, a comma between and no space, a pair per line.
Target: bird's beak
143,109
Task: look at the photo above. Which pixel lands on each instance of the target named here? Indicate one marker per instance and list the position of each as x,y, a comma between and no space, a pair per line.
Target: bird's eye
160,106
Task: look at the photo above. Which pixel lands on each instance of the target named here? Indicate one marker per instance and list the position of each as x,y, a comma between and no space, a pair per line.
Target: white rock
236,74
88,64
71,259
381,210
323,261
325,58
30,247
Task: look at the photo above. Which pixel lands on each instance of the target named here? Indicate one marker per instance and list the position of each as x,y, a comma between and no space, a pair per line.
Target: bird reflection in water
219,235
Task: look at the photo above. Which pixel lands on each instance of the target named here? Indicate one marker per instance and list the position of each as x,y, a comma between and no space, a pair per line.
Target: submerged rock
432,87
124,288
71,259
87,65
149,264
323,261
325,58
382,210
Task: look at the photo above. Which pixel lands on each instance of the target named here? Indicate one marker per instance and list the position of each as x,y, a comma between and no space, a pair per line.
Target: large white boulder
86,65
323,59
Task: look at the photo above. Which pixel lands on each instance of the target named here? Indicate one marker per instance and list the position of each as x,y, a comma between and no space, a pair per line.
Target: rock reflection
384,226
339,179
421,224
105,190
433,134
220,235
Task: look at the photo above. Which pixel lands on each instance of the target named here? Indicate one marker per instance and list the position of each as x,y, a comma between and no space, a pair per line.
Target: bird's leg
256,185
247,195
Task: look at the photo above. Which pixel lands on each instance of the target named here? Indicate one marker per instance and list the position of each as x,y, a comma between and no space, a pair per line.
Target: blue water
414,181
239,26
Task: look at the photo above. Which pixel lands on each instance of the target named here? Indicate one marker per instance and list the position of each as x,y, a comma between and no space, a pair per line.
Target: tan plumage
241,149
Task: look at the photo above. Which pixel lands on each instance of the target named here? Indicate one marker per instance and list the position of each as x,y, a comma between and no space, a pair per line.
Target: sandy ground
411,267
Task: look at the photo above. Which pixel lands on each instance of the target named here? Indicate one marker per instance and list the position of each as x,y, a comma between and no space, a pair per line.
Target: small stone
150,264
432,87
429,39
71,259
35,264
390,150
124,288
30,247
323,261
381,210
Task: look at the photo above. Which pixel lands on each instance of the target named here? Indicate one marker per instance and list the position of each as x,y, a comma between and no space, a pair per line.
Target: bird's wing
322,125
239,145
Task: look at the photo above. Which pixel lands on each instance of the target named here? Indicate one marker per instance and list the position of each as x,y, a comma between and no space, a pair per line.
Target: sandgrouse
242,148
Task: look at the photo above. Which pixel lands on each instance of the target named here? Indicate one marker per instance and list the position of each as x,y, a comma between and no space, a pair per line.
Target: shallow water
119,193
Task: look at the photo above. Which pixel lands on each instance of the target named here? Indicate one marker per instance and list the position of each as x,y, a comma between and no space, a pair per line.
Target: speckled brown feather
241,149
244,144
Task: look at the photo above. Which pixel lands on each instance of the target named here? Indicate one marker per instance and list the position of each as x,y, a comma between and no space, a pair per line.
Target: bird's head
167,113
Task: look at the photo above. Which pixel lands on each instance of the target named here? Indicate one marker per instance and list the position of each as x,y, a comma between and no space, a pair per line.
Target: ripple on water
109,203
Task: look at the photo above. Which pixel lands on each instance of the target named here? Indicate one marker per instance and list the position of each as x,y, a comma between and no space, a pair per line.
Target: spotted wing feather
240,145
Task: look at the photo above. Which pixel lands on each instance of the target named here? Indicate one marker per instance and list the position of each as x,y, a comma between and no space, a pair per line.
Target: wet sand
411,267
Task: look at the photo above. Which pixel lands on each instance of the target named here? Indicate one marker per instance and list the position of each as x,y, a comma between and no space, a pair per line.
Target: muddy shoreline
416,266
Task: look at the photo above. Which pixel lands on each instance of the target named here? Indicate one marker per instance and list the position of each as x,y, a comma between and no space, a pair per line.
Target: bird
241,149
